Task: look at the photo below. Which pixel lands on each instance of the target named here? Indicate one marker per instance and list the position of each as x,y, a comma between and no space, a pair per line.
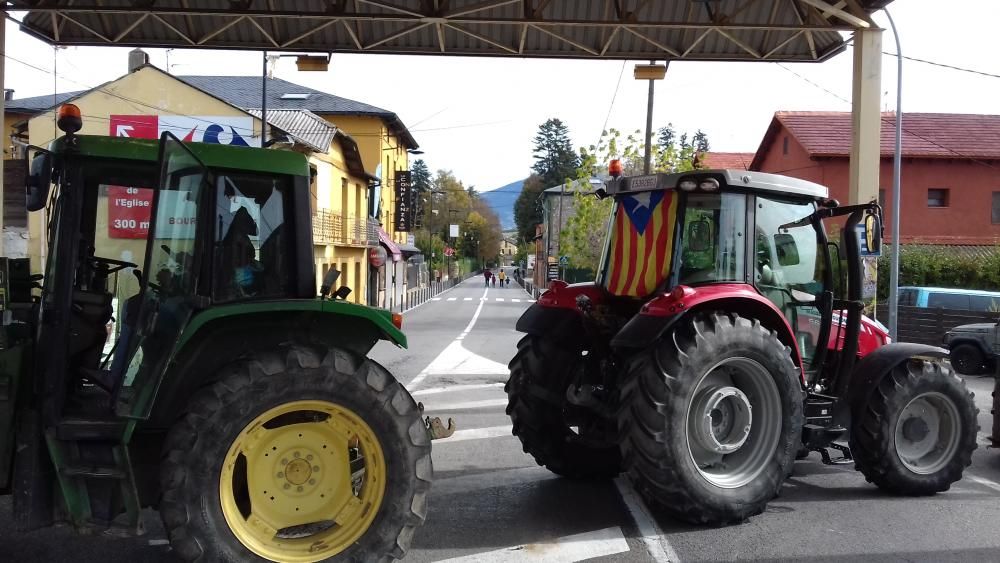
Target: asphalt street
490,502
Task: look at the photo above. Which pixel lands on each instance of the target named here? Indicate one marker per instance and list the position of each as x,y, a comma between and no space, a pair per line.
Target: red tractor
724,337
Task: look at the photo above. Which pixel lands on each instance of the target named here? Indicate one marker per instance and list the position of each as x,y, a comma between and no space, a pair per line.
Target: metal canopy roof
735,30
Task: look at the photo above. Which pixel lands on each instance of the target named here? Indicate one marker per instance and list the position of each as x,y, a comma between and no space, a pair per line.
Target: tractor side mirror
699,235
39,179
873,233
329,279
788,253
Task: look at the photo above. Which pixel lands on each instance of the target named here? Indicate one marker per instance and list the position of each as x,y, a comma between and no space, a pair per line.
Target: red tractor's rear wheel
916,432
711,417
564,438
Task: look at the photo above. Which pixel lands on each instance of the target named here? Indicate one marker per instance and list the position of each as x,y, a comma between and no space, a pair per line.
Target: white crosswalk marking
435,298
467,405
568,549
499,298
476,434
467,299
451,298
516,300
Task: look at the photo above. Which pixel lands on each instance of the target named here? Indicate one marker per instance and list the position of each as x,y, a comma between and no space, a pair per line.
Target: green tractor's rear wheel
916,433
711,419
297,457
560,436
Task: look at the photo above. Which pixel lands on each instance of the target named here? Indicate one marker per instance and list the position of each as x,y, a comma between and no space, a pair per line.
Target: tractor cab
724,229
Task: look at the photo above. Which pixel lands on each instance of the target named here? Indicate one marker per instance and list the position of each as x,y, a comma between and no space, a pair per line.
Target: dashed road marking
435,298
653,537
467,299
476,434
499,298
435,390
515,300
567,549
159,541
452,298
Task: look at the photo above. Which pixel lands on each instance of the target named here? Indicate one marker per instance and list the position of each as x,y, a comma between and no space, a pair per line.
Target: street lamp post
896,173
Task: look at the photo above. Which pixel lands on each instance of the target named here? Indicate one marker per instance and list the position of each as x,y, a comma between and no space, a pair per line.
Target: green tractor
199,373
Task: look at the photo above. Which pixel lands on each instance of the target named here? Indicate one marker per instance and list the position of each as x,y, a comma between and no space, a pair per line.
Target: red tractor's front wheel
916,433
711,417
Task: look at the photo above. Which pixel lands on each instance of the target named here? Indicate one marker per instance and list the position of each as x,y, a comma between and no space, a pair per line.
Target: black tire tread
198,429
873,436
652,390
535,413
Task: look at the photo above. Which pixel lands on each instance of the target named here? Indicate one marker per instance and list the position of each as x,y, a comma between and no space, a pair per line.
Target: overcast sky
477,117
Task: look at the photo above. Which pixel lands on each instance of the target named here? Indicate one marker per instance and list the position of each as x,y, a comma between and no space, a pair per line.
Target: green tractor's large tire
711,419
536,403
300,456
916,433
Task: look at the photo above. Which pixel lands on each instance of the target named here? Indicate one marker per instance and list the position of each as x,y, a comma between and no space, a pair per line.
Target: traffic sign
564,261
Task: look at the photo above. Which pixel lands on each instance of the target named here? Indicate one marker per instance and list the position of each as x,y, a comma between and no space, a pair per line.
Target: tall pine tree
555,159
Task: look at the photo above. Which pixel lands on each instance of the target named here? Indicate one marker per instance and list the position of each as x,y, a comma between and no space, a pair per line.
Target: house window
937,197
996,208
784,145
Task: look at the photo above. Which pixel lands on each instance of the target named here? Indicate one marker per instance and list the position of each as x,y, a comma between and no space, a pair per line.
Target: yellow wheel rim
302,482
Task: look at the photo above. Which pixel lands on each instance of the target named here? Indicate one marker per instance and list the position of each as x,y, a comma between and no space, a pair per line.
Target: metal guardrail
420,295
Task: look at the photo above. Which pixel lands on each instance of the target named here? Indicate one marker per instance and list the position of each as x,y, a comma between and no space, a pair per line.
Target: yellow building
147,101
508,249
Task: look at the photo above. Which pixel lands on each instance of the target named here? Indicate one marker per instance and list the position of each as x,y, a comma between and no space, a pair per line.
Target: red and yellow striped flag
642,241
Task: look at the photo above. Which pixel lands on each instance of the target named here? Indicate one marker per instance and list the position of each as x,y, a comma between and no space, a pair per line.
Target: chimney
8,94
136,59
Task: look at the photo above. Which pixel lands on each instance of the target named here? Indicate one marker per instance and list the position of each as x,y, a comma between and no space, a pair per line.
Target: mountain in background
501,201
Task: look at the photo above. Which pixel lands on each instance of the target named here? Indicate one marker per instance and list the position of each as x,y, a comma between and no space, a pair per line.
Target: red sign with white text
129,210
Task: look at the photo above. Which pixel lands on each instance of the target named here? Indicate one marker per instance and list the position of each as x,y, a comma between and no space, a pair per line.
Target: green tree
583,235
528,208
420,181
555,159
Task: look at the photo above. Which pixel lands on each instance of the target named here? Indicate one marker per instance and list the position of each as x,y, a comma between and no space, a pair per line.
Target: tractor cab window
713,240
788,269
252,244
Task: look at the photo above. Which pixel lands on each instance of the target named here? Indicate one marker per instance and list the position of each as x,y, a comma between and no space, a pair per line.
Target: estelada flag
642,241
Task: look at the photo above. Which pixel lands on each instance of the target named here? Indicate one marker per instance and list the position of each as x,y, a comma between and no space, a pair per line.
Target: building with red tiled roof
950,181
726,160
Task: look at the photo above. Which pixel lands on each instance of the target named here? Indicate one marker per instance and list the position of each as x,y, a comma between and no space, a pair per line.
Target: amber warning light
615,168
69,120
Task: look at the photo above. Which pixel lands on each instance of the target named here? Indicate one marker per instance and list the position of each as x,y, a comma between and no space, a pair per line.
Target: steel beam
866,117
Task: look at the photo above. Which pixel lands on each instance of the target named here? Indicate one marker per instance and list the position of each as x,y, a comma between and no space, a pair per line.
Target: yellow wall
9,119
147,91
378,146
352,261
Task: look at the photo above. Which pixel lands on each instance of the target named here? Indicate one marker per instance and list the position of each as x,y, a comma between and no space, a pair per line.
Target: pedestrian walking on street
503,277
487,274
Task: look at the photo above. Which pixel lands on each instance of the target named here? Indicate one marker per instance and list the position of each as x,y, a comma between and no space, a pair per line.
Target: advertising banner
404,202
213,129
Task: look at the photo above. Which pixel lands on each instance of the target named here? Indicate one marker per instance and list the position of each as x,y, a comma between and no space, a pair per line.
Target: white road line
467,299
515,300
426,371
435,298
568,549
434,390
159,541
652,536
466,405
499,298
452,298
989,483
476,434
495,479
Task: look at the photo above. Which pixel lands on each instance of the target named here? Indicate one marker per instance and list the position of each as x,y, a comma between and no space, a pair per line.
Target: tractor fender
870,370
556,315
659,315
220,336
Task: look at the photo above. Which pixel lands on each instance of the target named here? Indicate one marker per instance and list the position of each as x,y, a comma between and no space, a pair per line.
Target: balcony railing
330,227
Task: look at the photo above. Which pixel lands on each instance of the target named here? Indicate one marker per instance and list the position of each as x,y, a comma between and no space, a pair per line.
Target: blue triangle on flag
639,208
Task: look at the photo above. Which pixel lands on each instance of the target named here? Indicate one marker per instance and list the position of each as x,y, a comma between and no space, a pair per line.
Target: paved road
490,502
